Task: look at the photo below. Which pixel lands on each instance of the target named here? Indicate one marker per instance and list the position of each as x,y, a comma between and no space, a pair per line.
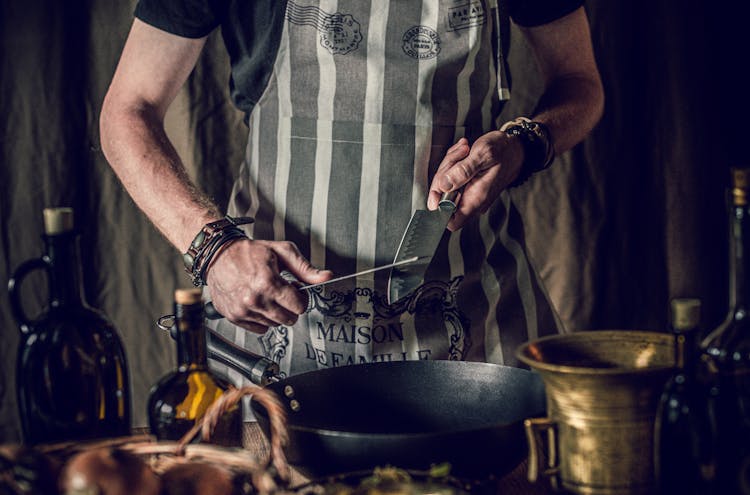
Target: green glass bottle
184,395
682,431
71,372
728,354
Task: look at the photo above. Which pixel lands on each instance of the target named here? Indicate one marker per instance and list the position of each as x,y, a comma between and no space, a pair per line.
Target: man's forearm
570,108
139,151
573,99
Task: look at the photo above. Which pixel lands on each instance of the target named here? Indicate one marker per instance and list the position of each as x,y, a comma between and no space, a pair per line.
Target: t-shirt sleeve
187,18
529,13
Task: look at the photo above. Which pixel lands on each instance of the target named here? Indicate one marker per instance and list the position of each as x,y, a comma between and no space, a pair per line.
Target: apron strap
503,91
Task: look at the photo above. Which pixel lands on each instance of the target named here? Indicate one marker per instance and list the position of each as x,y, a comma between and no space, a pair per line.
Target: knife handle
448,201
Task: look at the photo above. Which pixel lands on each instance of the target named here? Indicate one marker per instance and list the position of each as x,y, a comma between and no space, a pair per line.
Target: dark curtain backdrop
625,221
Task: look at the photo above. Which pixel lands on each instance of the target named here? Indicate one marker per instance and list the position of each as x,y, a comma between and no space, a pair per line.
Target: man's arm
153,67
573,100
571,105
244,276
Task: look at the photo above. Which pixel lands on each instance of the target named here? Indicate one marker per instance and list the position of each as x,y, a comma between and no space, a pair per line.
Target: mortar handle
535,428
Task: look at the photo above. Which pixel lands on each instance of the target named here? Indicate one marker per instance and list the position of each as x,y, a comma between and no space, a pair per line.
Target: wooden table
515,483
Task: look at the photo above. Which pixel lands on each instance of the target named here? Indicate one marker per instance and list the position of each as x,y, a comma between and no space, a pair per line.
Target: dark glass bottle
682,428
71,374
728,354
182,397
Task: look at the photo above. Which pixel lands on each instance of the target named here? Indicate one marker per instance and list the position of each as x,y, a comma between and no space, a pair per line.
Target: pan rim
259,410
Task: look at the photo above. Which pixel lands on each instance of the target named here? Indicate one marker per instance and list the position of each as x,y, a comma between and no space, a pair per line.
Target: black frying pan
407,414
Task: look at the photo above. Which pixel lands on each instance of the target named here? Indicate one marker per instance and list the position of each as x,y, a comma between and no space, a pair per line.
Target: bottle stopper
58,220
686,313
188,296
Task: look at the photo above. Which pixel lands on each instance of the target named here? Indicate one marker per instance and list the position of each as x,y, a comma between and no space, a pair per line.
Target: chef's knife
212,314
420,239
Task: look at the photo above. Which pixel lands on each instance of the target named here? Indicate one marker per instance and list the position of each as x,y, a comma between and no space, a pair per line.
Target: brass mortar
602,391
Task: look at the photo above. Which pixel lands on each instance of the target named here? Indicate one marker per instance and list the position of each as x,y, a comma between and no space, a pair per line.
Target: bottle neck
63,257
191,337
685,350
739,257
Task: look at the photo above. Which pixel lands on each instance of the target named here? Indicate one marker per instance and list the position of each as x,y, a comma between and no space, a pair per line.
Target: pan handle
259,370
535,428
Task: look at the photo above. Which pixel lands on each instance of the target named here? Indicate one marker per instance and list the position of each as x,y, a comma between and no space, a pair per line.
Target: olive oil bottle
182,397
71,372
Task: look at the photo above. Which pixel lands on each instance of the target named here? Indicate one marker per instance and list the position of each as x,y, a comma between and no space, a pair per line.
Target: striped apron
364,100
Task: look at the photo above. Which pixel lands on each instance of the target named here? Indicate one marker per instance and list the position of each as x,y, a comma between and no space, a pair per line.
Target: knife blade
420,239
212,314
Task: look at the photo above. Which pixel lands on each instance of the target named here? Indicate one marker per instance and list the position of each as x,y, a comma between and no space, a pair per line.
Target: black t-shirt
252,45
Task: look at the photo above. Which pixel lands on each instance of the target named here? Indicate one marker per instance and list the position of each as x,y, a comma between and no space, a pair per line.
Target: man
359,113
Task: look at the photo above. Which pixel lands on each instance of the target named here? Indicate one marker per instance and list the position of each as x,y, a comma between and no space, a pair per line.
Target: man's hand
247,288
483,169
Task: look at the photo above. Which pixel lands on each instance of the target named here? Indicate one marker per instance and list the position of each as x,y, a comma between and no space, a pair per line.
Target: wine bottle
71,374
682,428
728,353
182,397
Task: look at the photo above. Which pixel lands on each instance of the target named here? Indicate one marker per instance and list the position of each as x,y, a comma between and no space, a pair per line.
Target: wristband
207,242
538,149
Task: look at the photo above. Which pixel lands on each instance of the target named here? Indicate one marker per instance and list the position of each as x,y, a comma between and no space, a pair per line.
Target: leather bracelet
206,243
201,267
538,149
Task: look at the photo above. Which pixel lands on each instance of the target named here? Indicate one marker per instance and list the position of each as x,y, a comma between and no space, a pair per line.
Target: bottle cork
58,220
188,296
686,313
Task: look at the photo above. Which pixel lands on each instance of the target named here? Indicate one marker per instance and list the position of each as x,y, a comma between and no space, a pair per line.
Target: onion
197,478
24,470
108,471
